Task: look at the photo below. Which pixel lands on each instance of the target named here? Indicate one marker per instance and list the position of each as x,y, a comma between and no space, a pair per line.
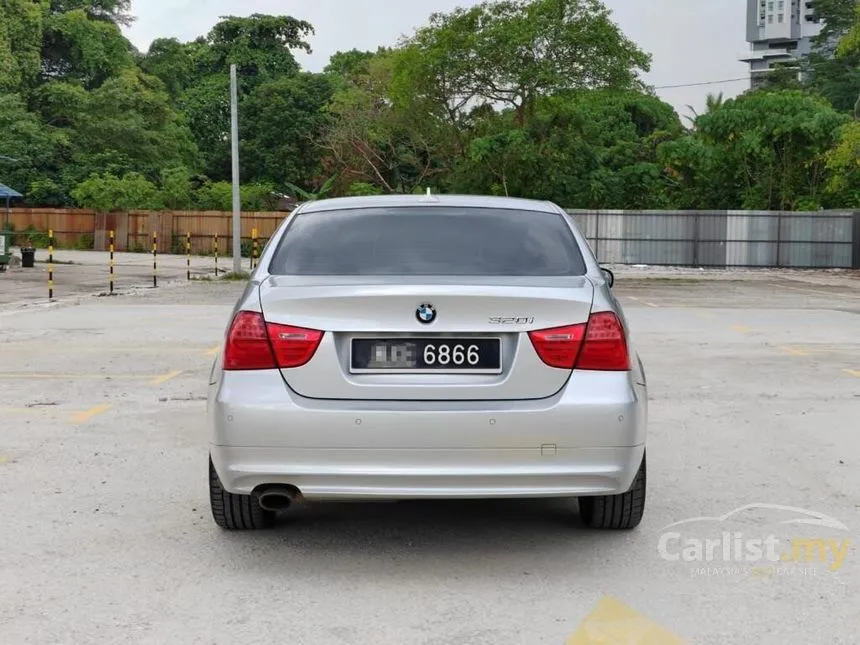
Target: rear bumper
440,474
588,439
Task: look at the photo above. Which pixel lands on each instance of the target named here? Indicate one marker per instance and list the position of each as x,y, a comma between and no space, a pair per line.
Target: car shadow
421,534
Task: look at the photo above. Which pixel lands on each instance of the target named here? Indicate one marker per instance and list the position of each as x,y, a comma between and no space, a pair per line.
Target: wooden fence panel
71,227
133,229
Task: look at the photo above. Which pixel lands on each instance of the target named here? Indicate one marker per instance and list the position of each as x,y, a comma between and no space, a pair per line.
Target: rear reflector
598,346
253,344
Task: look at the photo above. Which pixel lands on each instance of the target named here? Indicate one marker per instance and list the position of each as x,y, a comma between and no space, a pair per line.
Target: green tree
37,149
765,150
116,11
283,120
589,149
260,46
218,196
713,102
131,115
512,53
843,161
21,23
108,192
369,140
172,62
76,47
834,65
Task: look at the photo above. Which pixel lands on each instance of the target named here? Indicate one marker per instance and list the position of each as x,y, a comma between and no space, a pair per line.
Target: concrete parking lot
87,273
755,400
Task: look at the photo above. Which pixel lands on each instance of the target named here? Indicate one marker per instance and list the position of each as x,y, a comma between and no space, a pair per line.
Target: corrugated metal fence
823,239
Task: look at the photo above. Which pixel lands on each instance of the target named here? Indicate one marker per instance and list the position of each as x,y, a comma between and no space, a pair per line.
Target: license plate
428,355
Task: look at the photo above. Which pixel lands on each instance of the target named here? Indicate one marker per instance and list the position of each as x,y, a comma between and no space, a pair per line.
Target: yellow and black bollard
188,256
50,264
216,255
111,262
154,259
254,249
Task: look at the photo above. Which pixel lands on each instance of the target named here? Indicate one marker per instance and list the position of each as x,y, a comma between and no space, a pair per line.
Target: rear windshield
418,241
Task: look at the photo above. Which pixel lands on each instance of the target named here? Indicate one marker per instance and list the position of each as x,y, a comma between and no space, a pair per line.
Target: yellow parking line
644,302
72,377
158,380
83,417
149,349
213,351
3,460
794,351
853,373
815,292
614,622
741,329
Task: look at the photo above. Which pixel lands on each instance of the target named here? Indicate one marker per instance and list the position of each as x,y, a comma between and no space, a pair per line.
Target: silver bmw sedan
427,347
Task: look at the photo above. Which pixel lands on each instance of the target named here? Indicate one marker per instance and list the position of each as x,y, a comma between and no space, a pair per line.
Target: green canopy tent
6,195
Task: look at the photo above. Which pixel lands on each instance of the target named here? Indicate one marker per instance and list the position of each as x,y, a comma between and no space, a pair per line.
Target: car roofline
405,201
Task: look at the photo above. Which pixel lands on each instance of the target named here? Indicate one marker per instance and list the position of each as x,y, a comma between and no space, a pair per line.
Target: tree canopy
532,98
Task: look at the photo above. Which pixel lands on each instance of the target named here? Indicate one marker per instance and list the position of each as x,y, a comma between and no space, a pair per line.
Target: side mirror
610,277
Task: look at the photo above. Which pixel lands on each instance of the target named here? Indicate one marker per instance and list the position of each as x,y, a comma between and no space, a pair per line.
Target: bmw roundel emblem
425,314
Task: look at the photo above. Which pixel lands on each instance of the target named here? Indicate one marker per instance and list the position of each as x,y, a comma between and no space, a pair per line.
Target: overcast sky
692,41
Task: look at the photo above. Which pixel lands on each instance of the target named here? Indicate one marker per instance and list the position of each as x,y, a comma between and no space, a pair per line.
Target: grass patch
241,275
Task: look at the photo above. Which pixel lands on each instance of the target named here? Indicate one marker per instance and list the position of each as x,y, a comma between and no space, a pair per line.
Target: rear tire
616,512
236,512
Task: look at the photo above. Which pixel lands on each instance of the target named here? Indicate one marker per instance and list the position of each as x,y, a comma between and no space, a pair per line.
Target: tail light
254,344
293,346
605,346
599,345
560,346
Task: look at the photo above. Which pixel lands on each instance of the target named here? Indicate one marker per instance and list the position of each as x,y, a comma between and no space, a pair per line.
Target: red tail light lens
560,346
248,345
252,344
598,346
605,346
293,346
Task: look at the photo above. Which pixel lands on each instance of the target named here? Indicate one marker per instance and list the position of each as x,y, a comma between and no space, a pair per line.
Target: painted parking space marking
853,373
212,351
614,623
3,460
154,379
119,349
18,410
795,351
72,377
643,302
741,329
86,415
158,380
822,294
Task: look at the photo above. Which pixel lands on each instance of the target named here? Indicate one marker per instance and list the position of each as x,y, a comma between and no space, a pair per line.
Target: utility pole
237,198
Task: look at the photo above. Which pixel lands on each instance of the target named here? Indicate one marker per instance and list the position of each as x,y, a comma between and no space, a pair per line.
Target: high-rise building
780,33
